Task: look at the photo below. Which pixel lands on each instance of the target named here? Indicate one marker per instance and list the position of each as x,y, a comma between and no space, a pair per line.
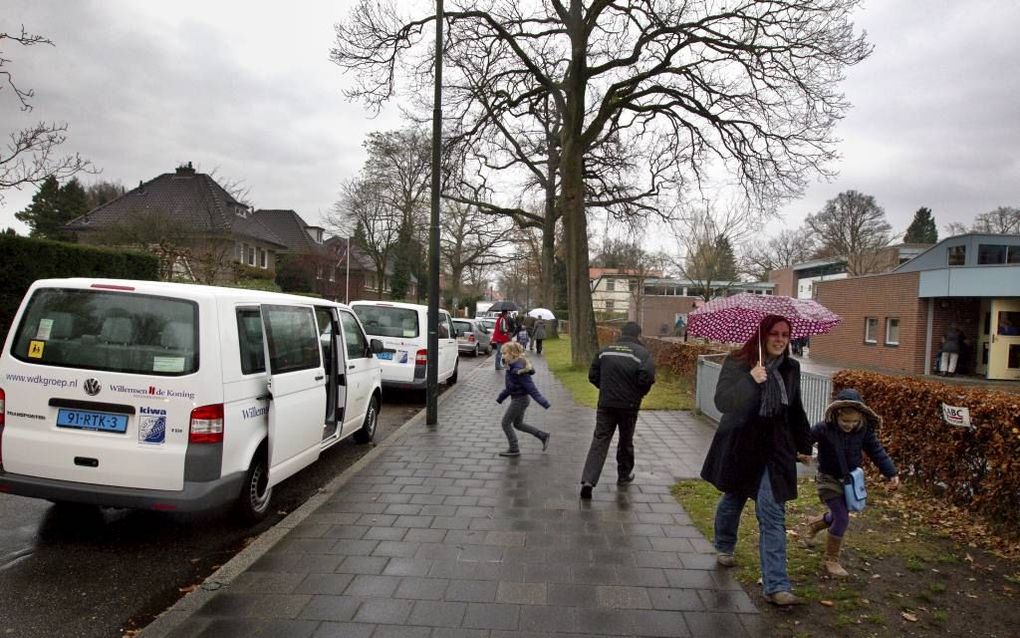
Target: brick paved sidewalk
436,535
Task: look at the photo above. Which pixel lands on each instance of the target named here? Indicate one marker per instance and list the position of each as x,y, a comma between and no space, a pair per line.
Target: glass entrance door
1004,349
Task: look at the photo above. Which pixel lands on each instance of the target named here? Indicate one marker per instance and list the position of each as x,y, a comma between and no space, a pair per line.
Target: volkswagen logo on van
92,387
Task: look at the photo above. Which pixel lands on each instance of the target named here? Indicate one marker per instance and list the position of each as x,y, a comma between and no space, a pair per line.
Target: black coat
624,373
745,443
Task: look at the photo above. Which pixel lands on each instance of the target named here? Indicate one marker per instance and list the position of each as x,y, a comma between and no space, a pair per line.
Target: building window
632,285
992,253
610,285
263,259
251,256
956,255
610,305
892,331
871,330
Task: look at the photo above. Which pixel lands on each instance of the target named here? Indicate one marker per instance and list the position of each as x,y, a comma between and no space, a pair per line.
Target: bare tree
469,240
760,257
364,213
751,83
157,232
1004,220
853,226
705,240
31,154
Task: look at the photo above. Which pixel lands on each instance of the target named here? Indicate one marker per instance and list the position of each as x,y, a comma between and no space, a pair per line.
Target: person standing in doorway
501,333
624,373
950,350
762,434
539,335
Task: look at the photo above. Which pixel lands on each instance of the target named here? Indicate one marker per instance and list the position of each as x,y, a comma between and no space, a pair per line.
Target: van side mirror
376,346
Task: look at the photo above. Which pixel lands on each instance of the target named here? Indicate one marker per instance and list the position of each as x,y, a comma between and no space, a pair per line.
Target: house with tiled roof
199,231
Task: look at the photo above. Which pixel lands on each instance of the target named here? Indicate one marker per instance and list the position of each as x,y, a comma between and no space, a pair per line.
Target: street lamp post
432,354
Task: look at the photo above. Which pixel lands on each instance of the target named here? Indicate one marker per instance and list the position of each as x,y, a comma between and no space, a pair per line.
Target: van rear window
111,331
388,321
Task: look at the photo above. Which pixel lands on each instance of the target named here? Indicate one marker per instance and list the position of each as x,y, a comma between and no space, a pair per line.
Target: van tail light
421,357
206,424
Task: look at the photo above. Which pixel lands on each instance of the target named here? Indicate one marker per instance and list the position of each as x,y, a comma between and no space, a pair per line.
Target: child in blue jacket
848,431
519,386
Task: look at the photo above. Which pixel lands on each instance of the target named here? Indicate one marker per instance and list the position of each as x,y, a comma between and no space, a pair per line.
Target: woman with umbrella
762,434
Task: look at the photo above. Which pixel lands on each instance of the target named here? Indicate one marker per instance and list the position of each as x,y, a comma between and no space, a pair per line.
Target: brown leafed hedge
677,357
976,468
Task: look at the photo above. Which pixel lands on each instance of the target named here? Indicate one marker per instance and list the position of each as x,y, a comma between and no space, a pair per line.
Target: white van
403,328
156,395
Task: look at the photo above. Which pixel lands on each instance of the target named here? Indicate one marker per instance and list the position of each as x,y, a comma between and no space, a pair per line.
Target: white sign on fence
959,417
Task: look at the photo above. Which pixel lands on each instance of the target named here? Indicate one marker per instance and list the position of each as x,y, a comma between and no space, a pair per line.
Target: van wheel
253,502
453,377
367,431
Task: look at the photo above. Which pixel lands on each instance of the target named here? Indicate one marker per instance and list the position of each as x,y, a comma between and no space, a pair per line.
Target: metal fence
815,389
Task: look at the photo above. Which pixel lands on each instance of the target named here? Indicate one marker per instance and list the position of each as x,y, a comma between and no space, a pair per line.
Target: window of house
892,331
263,258
956,255
610,305
251,256
610,285
1013,255
632,285
992,253
871,330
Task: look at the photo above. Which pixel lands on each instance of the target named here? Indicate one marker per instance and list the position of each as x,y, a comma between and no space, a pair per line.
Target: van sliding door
296,385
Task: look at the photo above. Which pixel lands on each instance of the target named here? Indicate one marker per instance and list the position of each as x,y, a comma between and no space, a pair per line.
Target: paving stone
337,608
384,611
472,591
343,630
422,588
369,585
491,616
438,613
521,593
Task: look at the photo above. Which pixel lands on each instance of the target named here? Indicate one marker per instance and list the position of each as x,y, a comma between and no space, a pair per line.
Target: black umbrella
500,306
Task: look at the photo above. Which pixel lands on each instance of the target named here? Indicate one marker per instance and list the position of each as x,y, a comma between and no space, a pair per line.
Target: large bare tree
853,226
469,240
32,155
751,84
363,212
760,257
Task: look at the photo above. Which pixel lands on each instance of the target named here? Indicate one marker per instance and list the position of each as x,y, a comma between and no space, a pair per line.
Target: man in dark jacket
624,373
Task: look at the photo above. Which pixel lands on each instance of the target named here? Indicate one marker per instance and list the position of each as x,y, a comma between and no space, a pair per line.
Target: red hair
749,352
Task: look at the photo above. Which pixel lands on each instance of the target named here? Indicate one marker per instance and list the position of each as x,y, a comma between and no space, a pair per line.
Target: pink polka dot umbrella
734,319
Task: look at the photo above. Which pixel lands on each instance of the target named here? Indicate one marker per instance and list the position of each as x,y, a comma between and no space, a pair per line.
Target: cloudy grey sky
246,88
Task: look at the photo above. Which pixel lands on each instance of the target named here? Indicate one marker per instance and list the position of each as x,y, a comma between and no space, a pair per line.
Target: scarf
773,396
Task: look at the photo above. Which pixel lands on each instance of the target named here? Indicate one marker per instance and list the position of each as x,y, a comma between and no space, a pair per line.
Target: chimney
185,170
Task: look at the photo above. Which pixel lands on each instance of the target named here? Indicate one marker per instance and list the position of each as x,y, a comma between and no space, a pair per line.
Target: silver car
472,336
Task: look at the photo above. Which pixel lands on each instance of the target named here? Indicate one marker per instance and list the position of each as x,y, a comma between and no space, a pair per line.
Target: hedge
681,358
978,468
24,260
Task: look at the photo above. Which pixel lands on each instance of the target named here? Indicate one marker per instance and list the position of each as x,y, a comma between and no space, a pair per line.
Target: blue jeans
499,356
772,525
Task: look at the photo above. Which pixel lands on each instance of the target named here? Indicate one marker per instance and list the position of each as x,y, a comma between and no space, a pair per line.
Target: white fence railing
815,389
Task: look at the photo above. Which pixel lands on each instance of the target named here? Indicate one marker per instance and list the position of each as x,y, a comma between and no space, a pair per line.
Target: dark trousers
607,420
513,419
538,345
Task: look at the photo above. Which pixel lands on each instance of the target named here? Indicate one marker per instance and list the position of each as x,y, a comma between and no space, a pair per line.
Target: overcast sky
247,89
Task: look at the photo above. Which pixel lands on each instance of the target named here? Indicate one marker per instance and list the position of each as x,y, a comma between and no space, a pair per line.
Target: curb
183,609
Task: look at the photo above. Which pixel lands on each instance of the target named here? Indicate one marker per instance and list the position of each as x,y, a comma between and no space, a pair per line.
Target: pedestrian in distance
539,335
520,387
624,373
502,333
523,338
529,325
762,434
950,351
848,430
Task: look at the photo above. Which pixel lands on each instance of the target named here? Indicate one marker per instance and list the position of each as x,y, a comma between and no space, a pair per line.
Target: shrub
978,468
680,358
23,260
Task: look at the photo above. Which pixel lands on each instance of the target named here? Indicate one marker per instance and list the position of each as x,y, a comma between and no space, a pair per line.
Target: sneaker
510,453
585,491
545,441
783,599
725,559
625,480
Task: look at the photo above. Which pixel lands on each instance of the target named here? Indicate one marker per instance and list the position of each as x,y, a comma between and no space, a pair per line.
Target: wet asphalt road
92,573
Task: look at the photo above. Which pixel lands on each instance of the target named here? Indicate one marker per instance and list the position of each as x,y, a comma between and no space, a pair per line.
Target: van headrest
117,330
177,335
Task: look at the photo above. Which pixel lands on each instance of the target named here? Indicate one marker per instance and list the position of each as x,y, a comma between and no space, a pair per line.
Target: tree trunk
547,295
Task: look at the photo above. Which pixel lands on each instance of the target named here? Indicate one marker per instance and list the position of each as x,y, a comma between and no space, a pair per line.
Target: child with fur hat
849,429
519,387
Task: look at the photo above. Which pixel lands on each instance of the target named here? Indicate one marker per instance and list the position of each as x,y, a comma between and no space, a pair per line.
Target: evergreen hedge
23,260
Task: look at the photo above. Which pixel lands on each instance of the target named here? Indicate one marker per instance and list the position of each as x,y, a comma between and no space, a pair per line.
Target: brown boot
832,566
810,529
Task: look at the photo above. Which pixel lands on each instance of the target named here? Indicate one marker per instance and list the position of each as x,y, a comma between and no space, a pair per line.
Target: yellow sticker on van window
35,349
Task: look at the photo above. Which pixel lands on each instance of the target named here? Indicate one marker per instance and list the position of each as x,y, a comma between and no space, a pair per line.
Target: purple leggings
838,517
